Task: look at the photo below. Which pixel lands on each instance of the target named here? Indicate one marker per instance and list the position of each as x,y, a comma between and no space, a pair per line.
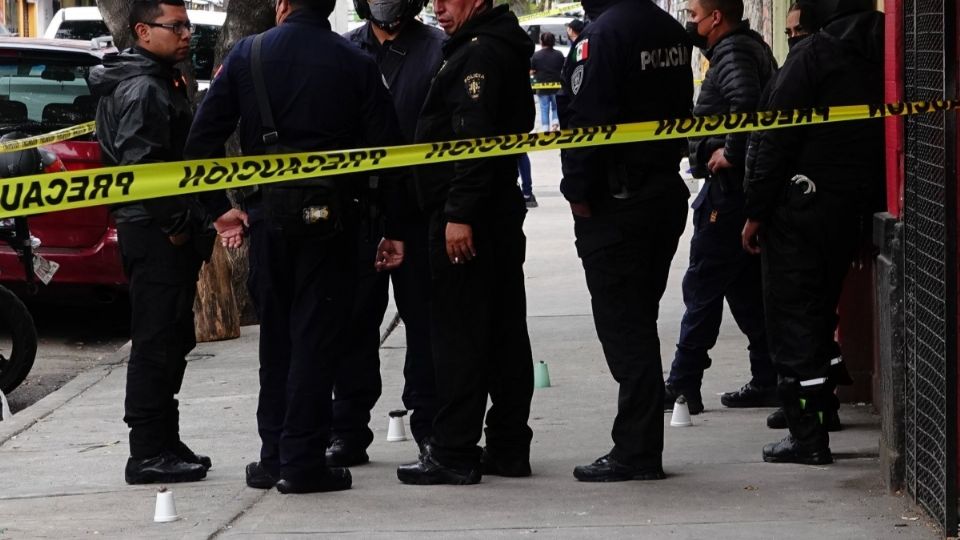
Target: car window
85,30
202,43
51,93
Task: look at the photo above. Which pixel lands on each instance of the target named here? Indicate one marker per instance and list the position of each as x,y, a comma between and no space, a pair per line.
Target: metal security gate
930,257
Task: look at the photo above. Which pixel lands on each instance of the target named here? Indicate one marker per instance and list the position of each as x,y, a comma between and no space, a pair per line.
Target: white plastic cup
166,510
395,430
681,414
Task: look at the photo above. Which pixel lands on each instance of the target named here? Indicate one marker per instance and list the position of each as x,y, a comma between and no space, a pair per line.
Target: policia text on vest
79,189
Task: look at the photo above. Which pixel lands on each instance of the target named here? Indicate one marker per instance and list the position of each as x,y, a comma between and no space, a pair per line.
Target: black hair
147,11
547,39
731,9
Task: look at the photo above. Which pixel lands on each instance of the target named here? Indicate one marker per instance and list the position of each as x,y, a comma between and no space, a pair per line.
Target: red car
43,87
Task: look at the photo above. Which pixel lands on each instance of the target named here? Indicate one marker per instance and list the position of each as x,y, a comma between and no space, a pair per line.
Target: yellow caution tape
559,10
92,187
47,138
545,86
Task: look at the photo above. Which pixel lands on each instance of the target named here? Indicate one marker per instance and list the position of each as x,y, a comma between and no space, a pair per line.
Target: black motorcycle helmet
388,14
20,162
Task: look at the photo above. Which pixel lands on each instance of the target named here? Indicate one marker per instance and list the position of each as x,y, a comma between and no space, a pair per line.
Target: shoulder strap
270,135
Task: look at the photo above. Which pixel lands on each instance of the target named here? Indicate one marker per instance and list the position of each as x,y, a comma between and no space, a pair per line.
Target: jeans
526,175
548,103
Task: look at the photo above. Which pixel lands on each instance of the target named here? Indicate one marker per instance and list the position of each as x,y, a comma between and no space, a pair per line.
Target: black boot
165,468
341,453
258,477
831,416
808,442
331,479
751,395
185,453
694,399
428,471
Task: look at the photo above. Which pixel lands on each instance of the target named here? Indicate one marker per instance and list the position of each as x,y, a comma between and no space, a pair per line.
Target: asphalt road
72,338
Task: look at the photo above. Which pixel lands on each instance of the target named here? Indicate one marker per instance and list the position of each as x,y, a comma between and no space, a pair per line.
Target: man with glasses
144,117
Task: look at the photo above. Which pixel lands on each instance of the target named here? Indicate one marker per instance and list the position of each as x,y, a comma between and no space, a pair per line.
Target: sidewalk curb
33,414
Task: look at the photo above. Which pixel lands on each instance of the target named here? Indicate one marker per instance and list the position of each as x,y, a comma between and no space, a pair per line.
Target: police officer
321,93
408,53
143,116
629,207
476,249
809,197
740,66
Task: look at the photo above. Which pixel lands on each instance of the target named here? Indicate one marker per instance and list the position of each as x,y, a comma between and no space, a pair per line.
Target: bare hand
460,243
389,255
581,209
231,226
718,161
751,237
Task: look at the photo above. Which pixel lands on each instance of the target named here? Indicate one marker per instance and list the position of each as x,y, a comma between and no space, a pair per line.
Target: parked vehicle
43,87
555,25
86,23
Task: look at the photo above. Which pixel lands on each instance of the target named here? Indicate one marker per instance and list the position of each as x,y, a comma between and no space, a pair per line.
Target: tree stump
216,314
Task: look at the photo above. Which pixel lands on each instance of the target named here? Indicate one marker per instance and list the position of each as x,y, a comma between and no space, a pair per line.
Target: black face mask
695,37
792,42
386,14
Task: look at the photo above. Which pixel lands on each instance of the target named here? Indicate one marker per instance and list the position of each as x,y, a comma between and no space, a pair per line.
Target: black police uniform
144,116
814,189
408,64
740,66
479,308
325,94
633,64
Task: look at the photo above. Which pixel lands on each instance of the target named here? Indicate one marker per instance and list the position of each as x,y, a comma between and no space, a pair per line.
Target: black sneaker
751,395
427,471
258,477
790,450
607,469
340,453
831,420
333,479
185,453
166,468
499,466
530,201
694,399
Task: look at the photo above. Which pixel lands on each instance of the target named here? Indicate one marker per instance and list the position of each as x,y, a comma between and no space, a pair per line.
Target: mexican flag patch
583,50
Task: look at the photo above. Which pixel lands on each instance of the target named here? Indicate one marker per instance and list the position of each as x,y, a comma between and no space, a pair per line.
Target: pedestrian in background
545,67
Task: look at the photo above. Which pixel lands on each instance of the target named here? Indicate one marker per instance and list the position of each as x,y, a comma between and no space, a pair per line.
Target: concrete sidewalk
61,460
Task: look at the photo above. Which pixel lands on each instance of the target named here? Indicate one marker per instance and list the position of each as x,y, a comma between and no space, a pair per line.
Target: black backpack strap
270,135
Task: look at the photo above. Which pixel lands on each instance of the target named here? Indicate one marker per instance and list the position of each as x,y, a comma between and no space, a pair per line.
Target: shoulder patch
576,79
474,85
583,50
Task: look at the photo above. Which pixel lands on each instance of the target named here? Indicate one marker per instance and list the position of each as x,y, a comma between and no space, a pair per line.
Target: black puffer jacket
143,116
741,64
840,65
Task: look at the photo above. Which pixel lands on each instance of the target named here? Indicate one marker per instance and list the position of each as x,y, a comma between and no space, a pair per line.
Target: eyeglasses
177,28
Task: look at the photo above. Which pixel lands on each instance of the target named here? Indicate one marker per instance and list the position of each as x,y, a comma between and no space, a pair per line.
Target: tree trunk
223,303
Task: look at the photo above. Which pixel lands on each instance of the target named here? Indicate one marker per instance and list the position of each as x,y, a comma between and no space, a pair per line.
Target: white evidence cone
166,510
681,414
395,430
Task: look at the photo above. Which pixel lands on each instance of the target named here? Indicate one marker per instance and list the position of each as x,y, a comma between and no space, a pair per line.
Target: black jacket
840,65
483,89
741,64
658,84
408,65
144,116
325,94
